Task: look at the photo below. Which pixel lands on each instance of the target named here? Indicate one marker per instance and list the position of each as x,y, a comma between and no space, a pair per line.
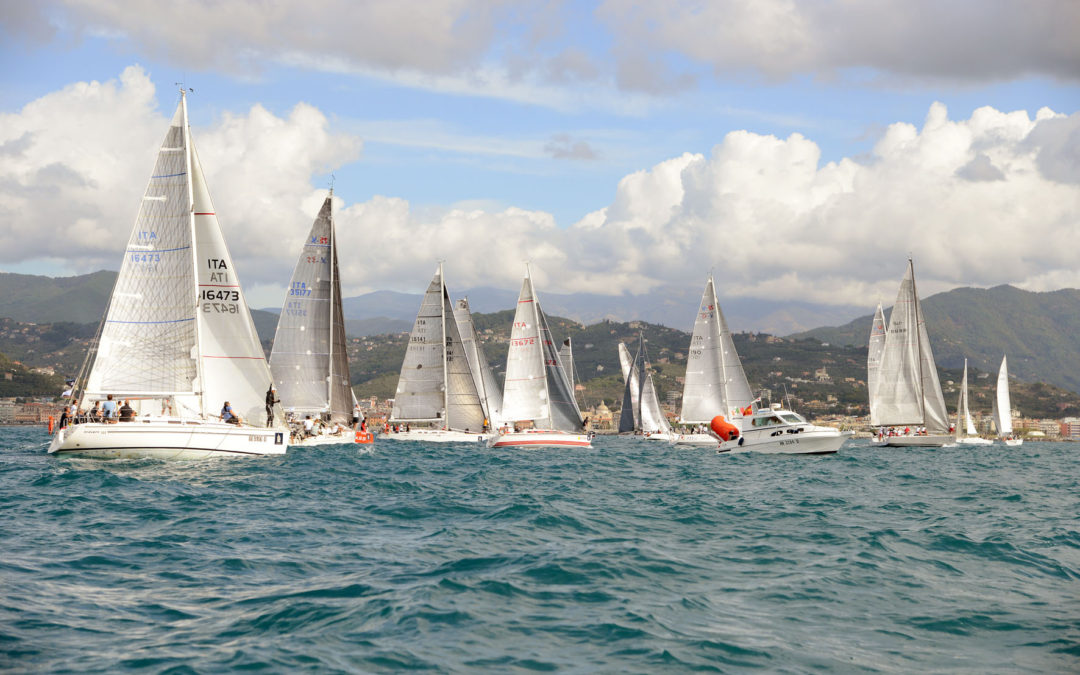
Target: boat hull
349,437
436,436
540,439
1013,442
166,439
974,440
695,440
916,441
794,440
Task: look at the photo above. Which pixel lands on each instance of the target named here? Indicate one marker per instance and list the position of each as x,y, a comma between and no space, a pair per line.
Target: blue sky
610,142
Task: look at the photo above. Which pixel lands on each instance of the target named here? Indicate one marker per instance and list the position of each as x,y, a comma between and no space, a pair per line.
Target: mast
330,315
199,366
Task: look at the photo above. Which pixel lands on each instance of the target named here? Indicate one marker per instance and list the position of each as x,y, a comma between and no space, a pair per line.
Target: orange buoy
724,429
50,423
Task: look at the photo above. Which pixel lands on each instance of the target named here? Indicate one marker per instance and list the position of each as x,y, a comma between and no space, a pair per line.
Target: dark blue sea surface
632,557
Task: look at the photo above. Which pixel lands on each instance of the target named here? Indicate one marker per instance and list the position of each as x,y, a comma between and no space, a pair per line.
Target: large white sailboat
486,385
1002,408
907,395
716,385
177,340
539,408
308,360
965,427
436,390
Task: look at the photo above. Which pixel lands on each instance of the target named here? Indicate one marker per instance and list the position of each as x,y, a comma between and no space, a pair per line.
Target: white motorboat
537,389
177,339
905,391
775,430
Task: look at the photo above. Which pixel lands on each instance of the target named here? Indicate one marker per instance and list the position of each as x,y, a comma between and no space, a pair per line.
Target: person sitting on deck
227,414
127,413
309,426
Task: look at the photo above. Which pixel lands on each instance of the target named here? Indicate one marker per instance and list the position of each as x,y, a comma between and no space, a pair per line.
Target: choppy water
632,557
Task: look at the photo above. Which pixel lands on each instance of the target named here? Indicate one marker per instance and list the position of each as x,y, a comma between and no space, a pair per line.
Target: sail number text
299,288
218,294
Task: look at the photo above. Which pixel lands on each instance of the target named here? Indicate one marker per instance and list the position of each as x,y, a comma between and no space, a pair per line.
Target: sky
796,150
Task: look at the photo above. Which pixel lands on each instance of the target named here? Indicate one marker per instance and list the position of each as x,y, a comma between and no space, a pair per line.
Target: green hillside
38,299
1038,332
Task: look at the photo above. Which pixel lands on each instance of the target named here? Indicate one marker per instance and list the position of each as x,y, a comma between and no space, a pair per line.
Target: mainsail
536,386
964,425
436,382
486,385
1002,404
715,381
873,358
908,391
308,359
178,327
630,416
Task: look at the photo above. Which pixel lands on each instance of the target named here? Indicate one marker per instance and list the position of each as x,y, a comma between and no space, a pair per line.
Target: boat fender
51,420
741,439
724,429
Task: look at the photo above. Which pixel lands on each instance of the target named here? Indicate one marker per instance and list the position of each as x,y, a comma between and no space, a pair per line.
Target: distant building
1070,428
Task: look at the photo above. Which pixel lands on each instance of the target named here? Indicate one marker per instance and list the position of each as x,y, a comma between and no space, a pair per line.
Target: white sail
908,391
178,327
148,339
631,381
487,386
436,382
873,359
536,385
1002,403
715,382
652,417
964,424
630,414
566,355
308,359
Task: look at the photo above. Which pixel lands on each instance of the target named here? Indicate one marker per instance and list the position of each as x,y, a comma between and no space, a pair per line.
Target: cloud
958,40
562,146
764,213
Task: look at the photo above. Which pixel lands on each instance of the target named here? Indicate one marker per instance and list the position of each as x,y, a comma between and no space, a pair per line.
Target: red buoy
724,429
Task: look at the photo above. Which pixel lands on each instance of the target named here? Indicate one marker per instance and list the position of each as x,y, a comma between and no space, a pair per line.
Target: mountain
37,299
1038,331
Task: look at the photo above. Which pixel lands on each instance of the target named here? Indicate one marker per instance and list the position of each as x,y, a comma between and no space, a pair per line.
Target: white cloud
965,40
762,212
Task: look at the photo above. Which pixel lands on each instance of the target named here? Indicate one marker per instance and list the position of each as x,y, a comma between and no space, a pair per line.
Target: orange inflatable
50,423
364,437
723,429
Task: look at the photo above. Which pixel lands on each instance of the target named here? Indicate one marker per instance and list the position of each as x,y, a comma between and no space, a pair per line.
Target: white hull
436,436
974,440
695,440
810,440
166,438
917,441
345,438
668,437
540,439
1013,442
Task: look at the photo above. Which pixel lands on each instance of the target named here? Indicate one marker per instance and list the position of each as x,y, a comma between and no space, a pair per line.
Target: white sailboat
907,395
486,384
716,385
177,339
538,399
308,360
1002,408
873,355
436,388
640,401
965,428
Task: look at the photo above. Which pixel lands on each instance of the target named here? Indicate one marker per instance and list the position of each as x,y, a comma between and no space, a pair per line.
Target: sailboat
308,360
873,355
640,402
538,399
1003,407
486,385
965,428
177,339
436,387
716,384
907,394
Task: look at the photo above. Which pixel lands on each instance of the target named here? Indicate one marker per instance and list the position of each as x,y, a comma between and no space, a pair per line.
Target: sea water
631,557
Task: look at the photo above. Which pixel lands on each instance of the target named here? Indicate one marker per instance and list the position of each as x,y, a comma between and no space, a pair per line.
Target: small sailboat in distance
965,428
177,340
1002,408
